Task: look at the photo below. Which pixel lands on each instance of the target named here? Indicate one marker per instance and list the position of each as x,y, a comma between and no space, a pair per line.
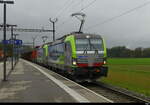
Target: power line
65,8
65,4
75,5
66,20
80,10
88,5
122,14
72,8
80,2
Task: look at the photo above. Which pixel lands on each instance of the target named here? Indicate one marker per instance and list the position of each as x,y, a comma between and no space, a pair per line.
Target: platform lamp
15,37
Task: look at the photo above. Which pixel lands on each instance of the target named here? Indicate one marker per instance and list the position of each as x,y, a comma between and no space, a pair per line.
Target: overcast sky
131,29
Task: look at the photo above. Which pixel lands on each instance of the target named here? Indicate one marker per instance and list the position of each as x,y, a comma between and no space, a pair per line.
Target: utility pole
4,30
53,21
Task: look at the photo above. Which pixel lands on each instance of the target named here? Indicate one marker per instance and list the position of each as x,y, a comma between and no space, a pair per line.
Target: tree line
123,52
114,52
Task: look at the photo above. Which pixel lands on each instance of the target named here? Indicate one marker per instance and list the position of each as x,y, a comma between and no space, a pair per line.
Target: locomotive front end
90,57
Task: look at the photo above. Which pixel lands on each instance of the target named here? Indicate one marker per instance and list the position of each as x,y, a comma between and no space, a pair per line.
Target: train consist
80,56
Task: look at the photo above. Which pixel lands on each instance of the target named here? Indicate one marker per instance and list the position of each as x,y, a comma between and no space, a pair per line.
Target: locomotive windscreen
89,44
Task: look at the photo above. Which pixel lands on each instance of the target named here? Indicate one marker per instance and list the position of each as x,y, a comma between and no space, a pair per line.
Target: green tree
138,52
146,52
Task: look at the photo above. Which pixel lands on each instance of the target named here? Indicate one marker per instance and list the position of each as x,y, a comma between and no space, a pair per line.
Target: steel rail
125,92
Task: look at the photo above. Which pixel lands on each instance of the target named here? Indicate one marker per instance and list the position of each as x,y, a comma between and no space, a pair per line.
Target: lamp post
15,37
4,29
12,27
53,21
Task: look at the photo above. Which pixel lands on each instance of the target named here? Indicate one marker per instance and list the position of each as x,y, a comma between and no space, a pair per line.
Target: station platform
30,82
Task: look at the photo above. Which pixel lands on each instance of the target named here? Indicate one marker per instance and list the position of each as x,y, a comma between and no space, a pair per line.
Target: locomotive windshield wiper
96,50
85,50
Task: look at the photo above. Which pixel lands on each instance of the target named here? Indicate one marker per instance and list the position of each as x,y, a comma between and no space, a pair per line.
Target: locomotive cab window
89,44
96,44
82,44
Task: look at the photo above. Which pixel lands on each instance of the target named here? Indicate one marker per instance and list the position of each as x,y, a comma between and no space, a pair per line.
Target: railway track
118,95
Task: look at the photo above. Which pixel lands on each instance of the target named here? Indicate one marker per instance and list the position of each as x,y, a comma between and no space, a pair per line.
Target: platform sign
18,42
11,41
6,41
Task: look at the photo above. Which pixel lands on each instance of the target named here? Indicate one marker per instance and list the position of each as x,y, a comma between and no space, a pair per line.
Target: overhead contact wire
120,15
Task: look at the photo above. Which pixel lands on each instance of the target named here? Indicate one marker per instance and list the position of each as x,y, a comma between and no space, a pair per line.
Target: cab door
68,54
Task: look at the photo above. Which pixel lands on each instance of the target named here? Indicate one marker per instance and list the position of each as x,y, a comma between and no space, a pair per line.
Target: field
132,74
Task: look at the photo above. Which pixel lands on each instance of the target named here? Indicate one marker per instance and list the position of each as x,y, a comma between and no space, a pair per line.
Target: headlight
104,62
74,63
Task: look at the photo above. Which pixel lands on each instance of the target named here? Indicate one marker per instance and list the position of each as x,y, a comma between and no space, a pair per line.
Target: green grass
129,61
132,74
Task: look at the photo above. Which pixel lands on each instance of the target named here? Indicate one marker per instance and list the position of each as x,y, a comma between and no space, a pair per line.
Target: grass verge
132,74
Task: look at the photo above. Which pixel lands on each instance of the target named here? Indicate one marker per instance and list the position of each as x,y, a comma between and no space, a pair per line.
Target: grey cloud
131,30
